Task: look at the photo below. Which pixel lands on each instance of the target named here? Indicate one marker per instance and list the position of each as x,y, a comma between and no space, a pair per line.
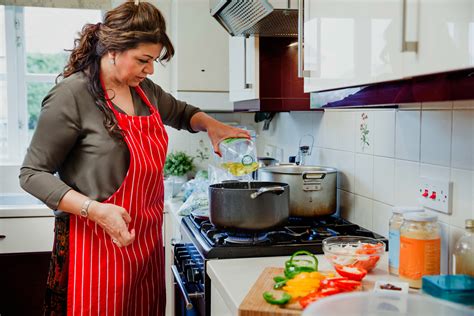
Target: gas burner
246,239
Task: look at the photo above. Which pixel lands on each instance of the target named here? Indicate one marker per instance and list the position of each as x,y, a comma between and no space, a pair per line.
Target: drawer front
27,234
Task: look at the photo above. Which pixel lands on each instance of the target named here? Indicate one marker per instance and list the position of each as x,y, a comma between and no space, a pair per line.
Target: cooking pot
264,162
248,205
313,188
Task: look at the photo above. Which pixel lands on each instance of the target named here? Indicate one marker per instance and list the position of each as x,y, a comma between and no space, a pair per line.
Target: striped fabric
103,278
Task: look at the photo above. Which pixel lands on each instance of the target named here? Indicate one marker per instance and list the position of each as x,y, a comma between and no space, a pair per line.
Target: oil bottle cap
469,223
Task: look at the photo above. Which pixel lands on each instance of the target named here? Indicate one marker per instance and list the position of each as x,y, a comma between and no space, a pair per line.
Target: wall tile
381,217
463,139
384,133
364,132
318,128
384,180
363,212
347,205
364,175
463,196
436,137
344,162
443,105
463,105
406,180
339,133
407,135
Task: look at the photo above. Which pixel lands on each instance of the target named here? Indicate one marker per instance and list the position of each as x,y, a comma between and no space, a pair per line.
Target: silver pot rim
294,169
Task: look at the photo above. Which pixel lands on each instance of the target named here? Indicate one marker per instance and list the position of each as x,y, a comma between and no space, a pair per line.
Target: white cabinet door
27,234
243,68
351,42
201,61
445,34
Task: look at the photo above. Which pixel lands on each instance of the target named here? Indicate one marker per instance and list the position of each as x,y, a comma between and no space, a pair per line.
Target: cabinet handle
301,72
407,46
246,85
3,237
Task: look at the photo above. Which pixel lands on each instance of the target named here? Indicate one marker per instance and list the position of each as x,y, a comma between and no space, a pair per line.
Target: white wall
429,139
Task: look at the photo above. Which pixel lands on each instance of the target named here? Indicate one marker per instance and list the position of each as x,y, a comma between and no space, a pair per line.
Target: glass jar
463,254
394,236
420,248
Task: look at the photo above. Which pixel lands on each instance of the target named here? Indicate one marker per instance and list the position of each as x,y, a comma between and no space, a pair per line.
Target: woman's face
134,65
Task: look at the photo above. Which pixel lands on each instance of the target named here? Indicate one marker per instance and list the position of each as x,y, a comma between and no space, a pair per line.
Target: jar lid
420,217
407,209
469,223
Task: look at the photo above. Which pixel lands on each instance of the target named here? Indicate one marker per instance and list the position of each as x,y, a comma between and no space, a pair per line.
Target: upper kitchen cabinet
444,33
357,42
351,42
244,68
200,73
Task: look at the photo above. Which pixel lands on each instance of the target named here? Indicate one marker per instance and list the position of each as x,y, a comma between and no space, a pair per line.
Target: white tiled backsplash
383,169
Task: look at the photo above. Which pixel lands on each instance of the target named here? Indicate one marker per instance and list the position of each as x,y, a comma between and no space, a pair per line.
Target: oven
189,277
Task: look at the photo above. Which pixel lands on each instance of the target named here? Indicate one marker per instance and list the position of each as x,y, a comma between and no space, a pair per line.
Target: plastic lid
407,209
420,217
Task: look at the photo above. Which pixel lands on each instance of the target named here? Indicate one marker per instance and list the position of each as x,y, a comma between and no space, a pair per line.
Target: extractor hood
255,17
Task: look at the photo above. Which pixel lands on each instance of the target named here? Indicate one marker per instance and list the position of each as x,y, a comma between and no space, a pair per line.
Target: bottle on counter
394,236
463,254
420,247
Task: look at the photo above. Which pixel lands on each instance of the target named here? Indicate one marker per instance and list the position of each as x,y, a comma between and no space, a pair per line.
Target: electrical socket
269,151
436,194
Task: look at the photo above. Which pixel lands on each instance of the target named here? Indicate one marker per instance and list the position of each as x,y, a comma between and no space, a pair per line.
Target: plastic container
463,254
454,288
381,286
420,248
386,304
238,156
361,252
395,223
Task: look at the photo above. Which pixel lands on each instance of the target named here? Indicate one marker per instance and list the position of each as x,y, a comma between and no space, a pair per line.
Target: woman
101,128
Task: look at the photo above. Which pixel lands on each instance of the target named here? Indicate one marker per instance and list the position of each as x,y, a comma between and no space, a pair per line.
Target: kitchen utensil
313,188
248,205
361,252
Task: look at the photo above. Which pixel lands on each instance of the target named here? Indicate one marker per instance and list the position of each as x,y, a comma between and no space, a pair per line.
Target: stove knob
181,258
186,264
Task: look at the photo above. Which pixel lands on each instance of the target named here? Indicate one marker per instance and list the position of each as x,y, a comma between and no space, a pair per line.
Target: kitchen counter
233,278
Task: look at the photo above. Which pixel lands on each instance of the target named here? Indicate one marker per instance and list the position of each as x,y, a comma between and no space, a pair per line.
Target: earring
112,61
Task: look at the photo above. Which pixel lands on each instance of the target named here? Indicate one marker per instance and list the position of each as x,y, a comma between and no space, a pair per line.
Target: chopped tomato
368,264
352,273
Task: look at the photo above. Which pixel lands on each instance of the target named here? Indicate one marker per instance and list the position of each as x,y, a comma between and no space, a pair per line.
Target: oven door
188,272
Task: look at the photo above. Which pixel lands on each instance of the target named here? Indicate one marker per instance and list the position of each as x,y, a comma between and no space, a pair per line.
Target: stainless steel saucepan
249,206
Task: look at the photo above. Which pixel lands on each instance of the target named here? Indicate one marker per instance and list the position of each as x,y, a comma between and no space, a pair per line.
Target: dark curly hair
125,27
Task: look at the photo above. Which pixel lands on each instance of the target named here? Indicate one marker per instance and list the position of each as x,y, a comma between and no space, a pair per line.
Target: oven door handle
179,281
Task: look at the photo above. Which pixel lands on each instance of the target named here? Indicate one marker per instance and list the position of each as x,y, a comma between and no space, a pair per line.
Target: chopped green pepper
285,298
296,266
279,278
280,284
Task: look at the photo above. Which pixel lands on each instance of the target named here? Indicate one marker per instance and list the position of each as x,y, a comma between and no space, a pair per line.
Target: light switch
436,194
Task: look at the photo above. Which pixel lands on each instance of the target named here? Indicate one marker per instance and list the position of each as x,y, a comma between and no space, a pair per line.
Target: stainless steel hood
255,17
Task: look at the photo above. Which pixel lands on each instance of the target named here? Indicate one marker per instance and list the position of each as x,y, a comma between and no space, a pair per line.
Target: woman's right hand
114,220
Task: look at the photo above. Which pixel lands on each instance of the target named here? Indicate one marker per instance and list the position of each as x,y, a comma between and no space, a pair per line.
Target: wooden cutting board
255,305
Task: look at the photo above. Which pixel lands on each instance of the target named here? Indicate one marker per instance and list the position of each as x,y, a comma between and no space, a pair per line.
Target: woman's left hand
218,131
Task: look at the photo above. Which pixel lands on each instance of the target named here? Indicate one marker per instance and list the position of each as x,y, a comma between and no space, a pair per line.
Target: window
32,54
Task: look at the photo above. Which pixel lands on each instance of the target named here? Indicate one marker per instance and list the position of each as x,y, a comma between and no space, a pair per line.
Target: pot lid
294,169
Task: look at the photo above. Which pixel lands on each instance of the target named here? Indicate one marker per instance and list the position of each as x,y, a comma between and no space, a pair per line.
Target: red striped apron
103,278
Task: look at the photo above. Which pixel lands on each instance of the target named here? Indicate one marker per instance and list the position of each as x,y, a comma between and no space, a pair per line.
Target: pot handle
311,175
275,190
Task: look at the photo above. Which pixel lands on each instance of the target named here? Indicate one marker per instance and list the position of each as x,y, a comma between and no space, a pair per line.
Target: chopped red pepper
347,285
352,273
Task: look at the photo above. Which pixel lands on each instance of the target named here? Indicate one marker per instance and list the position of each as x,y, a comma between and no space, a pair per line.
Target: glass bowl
353,251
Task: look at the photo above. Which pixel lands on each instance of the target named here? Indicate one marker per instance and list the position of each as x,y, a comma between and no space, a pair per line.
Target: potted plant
177,166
